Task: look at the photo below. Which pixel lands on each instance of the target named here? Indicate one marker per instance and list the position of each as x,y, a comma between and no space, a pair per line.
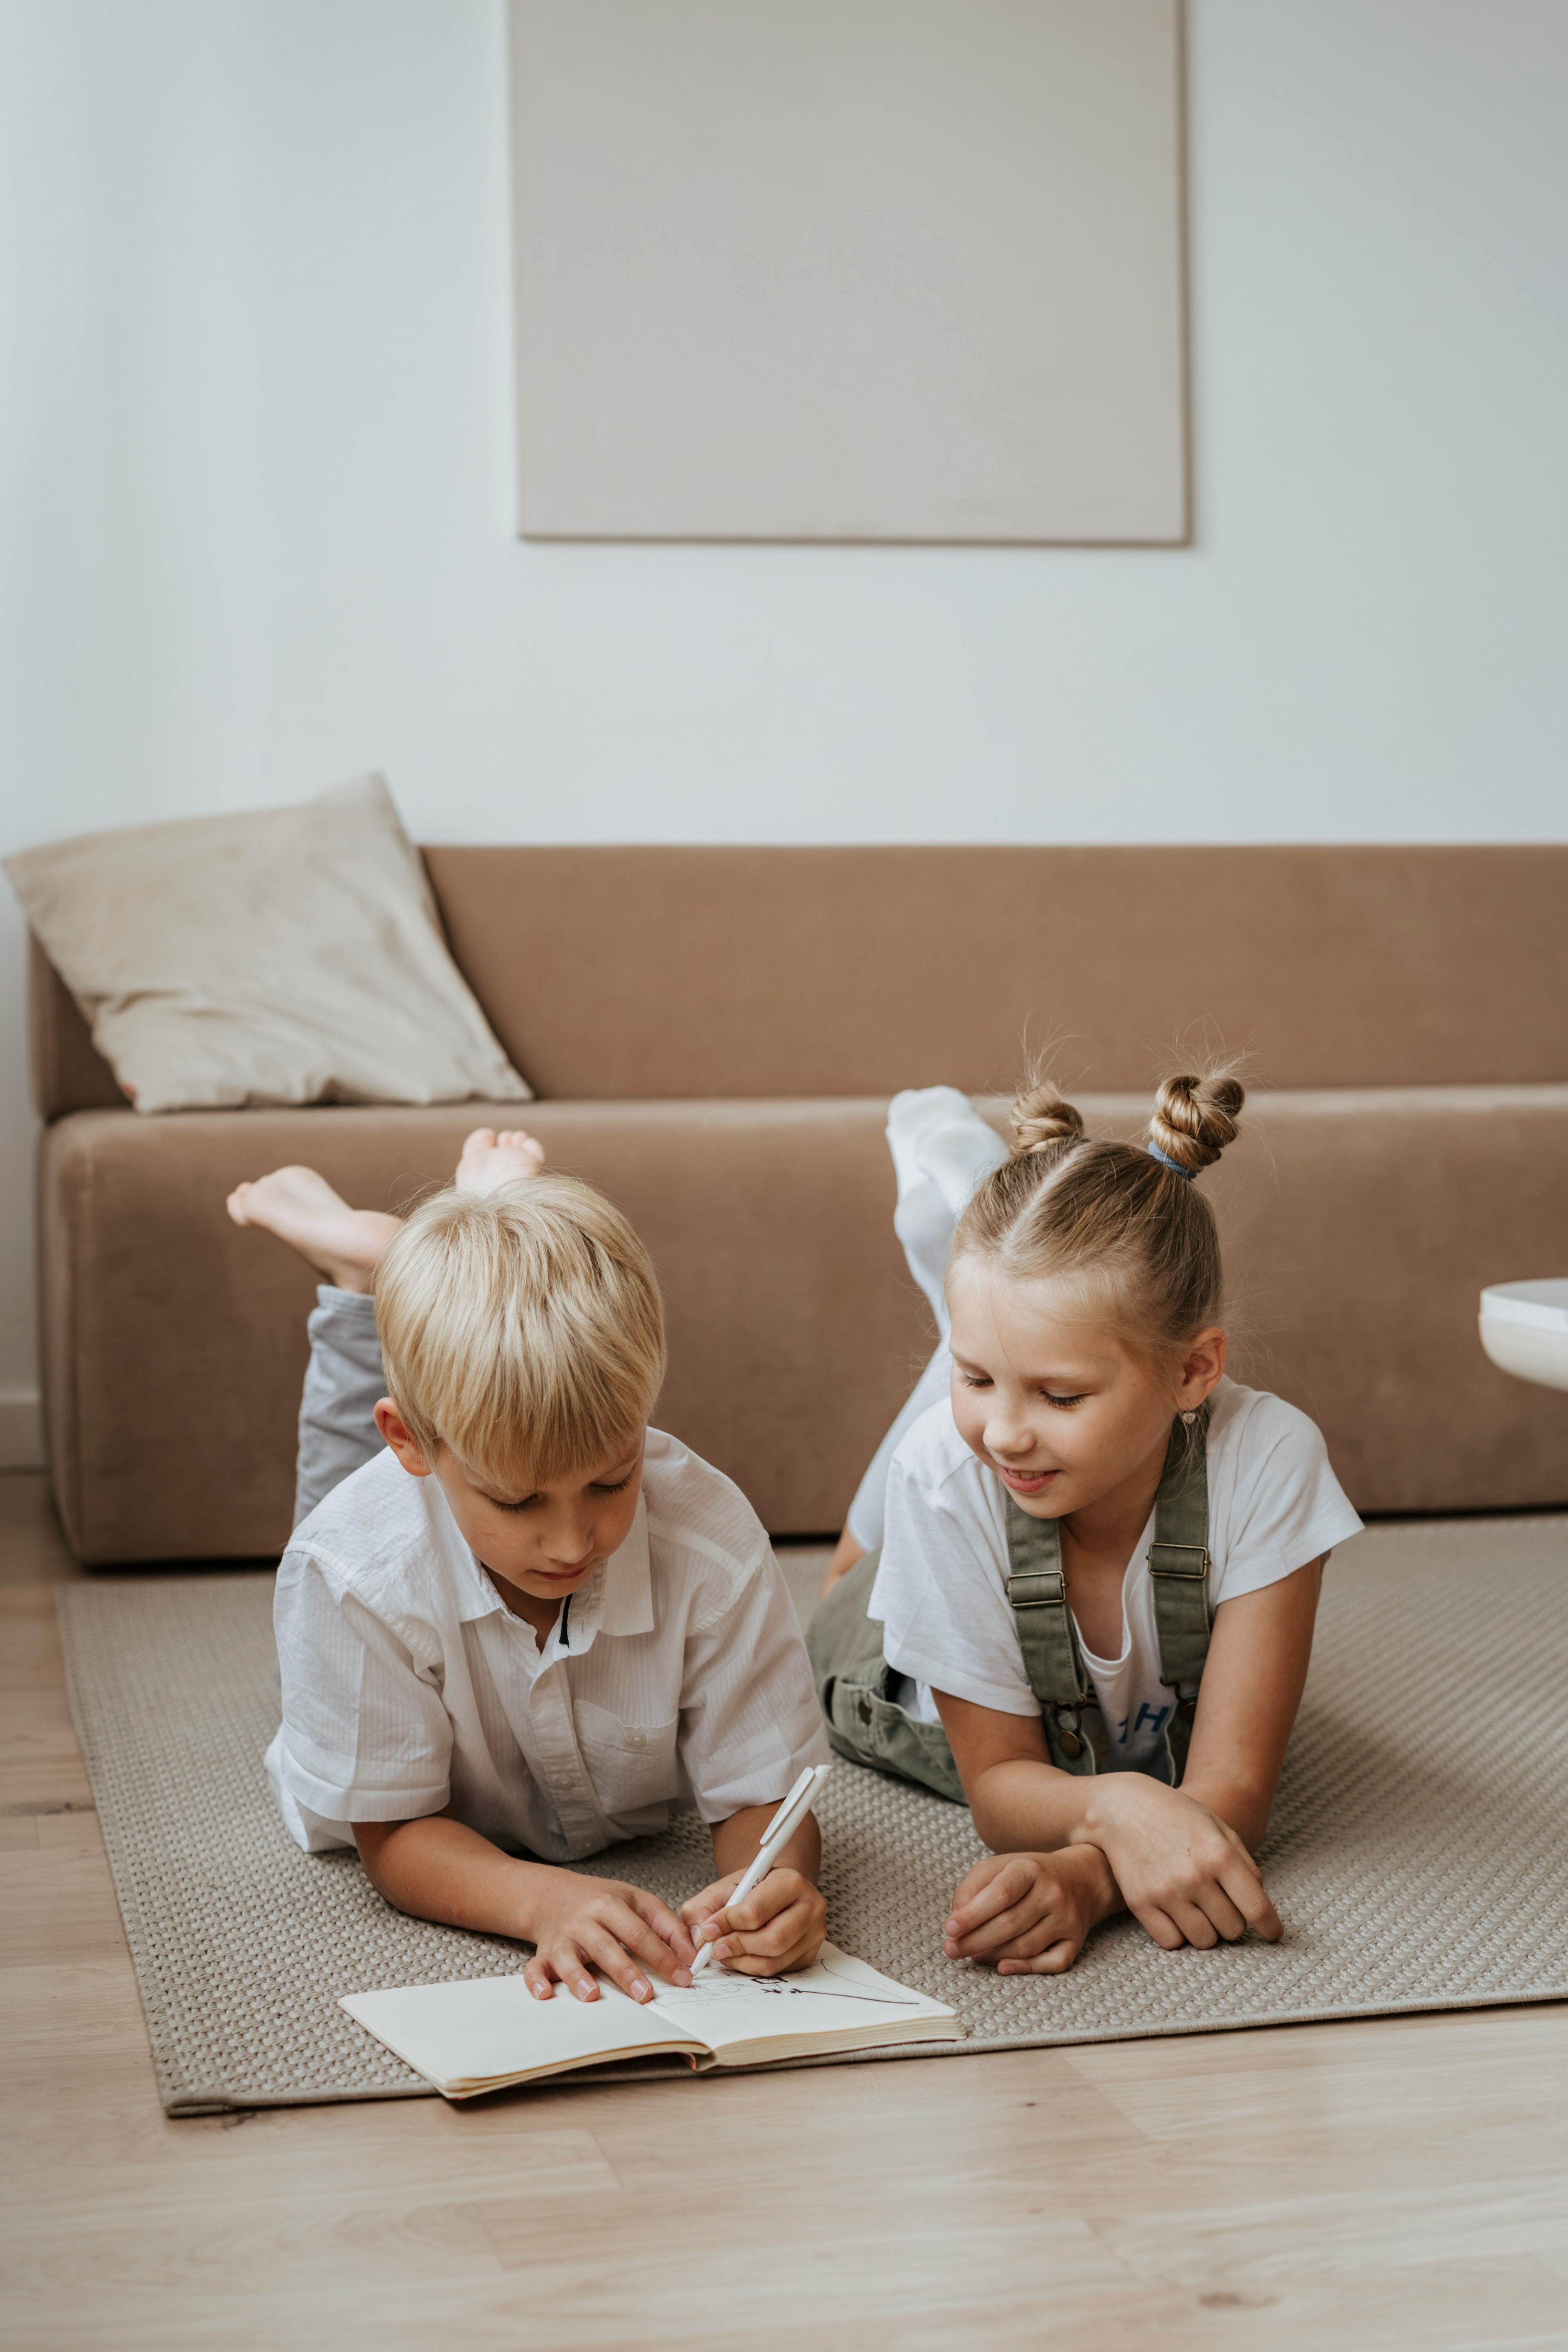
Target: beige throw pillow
289,955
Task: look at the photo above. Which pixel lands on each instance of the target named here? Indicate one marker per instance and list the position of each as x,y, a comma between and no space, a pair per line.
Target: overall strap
1179,1559
1036,1589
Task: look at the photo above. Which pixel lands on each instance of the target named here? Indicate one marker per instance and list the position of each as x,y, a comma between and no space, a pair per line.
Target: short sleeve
749,1718
1286,1506
941,1596
365,1736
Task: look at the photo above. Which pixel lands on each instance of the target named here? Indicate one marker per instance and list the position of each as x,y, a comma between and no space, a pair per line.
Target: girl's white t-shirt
941,1588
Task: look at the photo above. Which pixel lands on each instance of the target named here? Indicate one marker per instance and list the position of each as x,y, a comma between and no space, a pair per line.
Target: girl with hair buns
1078,1584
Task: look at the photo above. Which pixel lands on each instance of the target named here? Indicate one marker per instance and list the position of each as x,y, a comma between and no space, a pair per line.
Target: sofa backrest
619,973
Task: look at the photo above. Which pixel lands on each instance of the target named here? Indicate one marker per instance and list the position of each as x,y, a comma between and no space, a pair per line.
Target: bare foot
848,1555
490,1161
301,1208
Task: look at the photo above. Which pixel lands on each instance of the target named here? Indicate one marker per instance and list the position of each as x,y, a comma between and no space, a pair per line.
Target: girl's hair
521,1328
1112,1215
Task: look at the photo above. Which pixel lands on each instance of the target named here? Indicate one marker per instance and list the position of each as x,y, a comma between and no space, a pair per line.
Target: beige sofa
714,1035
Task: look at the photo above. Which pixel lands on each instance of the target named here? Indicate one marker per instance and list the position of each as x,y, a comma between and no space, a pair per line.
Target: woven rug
1416,1854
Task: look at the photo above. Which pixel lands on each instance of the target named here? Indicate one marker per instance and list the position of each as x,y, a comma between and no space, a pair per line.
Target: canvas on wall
849,269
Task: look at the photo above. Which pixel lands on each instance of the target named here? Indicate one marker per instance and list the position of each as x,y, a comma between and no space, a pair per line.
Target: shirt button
636,1738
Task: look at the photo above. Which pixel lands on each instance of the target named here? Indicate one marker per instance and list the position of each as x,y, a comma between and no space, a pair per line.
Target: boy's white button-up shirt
676,1674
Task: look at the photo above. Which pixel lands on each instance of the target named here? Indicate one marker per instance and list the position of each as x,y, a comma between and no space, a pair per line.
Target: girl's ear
1202,1368
402,1440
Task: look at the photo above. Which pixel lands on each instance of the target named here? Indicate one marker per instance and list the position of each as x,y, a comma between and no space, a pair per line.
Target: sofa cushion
1359,1228
612,972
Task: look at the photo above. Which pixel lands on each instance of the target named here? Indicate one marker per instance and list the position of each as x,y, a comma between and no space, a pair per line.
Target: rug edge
972,2046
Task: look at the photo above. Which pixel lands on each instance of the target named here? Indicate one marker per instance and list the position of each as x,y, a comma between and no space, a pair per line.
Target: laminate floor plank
41,1770
76,1832
30,1655
1370,2185
60,1897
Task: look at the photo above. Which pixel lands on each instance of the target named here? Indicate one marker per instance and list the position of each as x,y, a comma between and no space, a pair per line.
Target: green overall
854,1681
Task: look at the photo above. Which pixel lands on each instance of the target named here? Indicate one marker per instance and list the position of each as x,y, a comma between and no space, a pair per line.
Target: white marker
776,1837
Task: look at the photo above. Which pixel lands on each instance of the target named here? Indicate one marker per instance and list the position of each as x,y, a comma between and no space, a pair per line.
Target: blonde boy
532,1624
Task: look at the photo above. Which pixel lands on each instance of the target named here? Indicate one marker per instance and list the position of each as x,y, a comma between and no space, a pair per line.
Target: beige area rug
1416,1854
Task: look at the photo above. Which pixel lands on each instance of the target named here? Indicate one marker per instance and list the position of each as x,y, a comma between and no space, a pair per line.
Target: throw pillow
288,955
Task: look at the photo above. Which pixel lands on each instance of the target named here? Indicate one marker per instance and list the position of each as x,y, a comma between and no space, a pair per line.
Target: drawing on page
727,1988
848,1988
839,1986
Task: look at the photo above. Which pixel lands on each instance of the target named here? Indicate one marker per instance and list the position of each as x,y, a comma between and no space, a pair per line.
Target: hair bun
1041,1118
1195,1117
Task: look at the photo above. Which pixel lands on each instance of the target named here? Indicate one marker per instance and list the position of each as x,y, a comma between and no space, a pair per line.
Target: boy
530,1623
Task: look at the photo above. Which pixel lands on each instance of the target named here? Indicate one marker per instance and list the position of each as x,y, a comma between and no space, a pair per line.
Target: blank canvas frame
850,270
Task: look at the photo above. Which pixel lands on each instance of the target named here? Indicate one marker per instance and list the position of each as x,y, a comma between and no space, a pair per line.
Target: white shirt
941,1589
679,1671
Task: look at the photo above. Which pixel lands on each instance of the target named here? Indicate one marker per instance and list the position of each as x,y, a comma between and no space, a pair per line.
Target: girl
1078,1588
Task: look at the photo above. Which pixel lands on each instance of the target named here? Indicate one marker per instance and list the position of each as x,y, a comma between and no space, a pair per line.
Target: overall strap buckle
1179,1559
1069,1738
1037,1588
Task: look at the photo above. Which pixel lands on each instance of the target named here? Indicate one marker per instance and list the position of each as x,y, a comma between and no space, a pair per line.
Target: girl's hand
583,1924
1184,1874
780,1926
1027,1912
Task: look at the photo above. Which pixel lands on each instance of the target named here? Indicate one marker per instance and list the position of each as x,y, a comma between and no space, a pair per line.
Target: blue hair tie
1186,1174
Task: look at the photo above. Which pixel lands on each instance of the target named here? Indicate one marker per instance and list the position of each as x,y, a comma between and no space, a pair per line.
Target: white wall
256,535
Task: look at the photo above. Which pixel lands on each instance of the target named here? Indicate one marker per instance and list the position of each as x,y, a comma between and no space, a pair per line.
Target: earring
1190,1415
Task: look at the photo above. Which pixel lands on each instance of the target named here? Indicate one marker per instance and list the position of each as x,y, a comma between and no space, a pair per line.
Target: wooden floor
1402,2183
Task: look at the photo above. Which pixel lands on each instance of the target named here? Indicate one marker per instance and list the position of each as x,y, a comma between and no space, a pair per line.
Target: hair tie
1186,1174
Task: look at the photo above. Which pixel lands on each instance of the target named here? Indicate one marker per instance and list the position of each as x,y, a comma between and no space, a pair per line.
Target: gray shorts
344,1383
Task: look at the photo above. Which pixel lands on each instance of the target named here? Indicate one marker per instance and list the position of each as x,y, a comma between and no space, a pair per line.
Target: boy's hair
1132,1227
522,1328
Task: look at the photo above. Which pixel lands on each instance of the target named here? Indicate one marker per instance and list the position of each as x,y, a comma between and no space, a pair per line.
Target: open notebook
488,2031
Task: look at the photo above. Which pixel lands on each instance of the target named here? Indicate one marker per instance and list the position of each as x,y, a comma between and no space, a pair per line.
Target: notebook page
485,2027
836,1994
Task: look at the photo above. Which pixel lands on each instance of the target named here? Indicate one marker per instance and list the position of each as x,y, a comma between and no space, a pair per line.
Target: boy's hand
583,1924
1027,1912
1184,1874
780,1926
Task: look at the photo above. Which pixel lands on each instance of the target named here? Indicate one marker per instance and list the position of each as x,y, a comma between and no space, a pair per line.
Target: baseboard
21,1430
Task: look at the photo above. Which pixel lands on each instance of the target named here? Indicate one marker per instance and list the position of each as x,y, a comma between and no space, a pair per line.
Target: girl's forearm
436,1868
1024,1807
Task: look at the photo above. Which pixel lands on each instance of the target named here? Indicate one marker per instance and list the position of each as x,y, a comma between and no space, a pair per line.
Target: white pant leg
344,1383
941,1148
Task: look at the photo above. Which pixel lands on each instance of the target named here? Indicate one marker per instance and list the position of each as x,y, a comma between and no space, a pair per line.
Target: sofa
714,1033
